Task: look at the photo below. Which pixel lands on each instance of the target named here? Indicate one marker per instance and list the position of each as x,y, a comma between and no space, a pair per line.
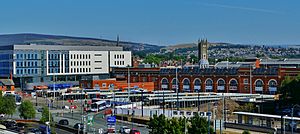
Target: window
77,56
71,63
98,61
80,70
98,54
17,56
89,69
21,71
35,71
103,84
35,56
17,71
21,63
80,56
115,56
71,56
115,62
80,63
98,68
89,63
246,81
77,70
28,55
123,56
36,64
89,56
17,64
83,56
83,63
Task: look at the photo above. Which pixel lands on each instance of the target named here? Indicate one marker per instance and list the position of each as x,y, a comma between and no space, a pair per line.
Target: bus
98,106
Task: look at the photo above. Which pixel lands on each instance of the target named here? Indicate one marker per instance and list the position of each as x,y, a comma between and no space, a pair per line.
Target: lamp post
292,124
198,100
177,104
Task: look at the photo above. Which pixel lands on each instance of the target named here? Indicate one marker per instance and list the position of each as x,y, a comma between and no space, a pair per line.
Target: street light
177,90
292,124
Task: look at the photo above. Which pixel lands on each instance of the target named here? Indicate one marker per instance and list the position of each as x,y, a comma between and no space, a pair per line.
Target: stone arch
221,84
209,84
259,85
197,85
164,83
174,84
272,85
233,84
186,85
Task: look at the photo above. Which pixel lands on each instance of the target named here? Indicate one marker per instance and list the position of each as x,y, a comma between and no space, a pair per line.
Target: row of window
119,56
80,56
27,71
119,63
80,70
57,56
27,56
27,64
80,63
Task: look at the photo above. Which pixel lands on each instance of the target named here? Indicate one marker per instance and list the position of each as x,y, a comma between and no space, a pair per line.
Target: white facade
120,58
88,62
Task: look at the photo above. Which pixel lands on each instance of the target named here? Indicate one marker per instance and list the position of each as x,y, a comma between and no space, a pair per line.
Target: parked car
78,126
44,128
40,109
63,122
35,131
10,124
124,130
134,131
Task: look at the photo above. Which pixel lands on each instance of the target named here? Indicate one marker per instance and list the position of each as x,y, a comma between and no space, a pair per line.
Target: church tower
203,53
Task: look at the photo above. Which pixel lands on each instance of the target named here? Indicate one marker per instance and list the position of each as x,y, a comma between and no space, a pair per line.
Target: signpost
111,123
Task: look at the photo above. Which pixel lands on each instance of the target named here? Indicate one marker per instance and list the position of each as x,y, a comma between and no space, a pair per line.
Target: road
99,122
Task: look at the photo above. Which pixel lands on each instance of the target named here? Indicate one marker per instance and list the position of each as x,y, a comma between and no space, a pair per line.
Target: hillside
26,38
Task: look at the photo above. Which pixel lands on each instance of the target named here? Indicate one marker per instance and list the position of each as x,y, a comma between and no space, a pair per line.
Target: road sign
111,119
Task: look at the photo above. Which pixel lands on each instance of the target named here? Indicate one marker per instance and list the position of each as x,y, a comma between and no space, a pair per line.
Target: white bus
98,106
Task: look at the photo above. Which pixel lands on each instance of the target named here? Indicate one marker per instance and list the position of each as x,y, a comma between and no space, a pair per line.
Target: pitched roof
7,82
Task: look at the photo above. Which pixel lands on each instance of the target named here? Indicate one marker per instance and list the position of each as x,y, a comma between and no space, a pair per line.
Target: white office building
44,63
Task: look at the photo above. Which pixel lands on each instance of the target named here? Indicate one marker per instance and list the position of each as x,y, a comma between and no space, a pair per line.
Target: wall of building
120,58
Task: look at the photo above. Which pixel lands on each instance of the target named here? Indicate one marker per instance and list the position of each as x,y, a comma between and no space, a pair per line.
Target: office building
46,63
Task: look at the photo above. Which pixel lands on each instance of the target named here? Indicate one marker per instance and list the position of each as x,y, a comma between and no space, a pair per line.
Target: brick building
193,79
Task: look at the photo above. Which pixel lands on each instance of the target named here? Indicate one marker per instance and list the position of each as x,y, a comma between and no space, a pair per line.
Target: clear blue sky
157,21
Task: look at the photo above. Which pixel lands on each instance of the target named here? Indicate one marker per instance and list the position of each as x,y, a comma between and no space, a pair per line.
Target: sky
160,22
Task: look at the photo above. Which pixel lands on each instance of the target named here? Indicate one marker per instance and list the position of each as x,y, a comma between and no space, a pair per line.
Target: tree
158,124
175,126
248,107
7,105
199,125
290,90
27,110
45,115
246,132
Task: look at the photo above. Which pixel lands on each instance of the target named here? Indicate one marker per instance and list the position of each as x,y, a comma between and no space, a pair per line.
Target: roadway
99,122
